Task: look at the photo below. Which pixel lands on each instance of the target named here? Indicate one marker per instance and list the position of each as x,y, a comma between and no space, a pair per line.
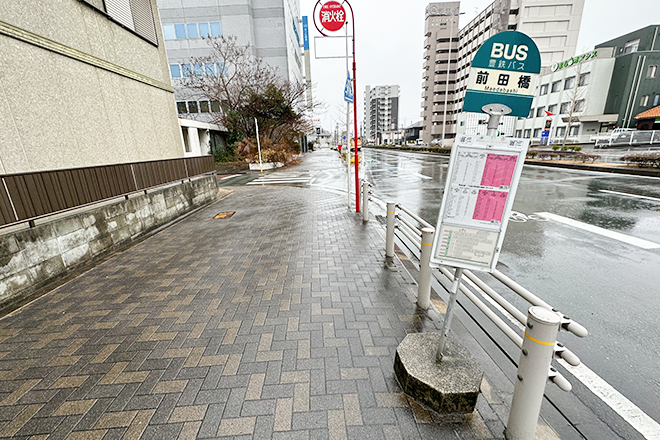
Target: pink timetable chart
481,184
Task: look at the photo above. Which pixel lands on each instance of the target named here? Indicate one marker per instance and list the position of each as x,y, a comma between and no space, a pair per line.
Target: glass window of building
209,68
569,83
552,108
583,80
528,133
656,100
198,68
556,86
540,112
180,31
560,131
175,71
631,46
537,132
181,107
192,107
186,70
544,90
518,133
204,29
215,29
644,101
192,30
579,105
564,108
652,71
574,130
204,106
168,32
215,106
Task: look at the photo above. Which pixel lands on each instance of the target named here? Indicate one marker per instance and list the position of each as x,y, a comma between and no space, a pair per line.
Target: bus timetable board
481,185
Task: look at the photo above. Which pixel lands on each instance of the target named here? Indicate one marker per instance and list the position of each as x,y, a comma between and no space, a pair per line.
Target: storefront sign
574,60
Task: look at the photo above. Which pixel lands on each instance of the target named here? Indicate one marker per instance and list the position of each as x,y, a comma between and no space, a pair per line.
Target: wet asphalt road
612,287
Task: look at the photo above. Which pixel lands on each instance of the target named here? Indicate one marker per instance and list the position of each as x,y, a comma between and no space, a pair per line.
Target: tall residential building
83,83
552,24
272,28
381,112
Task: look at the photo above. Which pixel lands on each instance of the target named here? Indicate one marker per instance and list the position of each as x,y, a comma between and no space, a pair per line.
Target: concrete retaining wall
34,258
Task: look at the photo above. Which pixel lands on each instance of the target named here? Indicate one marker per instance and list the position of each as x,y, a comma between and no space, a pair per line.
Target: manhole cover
227,214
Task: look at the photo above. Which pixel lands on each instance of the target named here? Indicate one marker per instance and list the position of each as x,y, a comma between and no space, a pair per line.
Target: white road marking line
655,199
229,177
637,418
639,242
422,176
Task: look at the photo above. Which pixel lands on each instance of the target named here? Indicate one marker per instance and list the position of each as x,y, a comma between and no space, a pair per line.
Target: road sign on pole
503,72
348,90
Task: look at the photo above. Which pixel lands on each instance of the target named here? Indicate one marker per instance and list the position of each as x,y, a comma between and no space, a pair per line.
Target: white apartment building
552,24
381,113
583,86
272,28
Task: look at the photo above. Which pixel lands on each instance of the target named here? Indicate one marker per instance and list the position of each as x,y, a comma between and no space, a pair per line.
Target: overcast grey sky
389,47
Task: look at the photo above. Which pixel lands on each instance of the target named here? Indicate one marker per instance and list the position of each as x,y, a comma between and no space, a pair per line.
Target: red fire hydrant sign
332,16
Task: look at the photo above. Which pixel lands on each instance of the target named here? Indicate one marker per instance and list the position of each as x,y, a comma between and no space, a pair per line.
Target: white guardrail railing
537,351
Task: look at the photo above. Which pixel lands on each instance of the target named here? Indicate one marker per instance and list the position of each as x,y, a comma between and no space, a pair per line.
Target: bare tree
246,88
576,100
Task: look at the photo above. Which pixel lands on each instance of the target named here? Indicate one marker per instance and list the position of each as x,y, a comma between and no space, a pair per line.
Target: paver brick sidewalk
279,322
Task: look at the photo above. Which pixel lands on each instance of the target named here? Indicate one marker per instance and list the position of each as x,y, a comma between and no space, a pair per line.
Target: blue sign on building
503,71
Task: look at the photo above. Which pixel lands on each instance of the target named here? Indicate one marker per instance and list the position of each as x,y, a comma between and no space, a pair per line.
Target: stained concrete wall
34,258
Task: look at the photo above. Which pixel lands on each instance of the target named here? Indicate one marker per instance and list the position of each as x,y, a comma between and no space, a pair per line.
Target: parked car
610,135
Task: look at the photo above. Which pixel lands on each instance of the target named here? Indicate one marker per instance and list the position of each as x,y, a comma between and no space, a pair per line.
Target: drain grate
222,215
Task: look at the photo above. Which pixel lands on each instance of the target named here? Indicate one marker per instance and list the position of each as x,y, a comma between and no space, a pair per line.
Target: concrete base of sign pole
450,386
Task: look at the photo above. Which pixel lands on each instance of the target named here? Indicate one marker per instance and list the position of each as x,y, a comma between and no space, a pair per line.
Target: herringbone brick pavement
279,322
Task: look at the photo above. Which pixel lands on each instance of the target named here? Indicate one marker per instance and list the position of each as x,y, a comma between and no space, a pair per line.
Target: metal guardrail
538,343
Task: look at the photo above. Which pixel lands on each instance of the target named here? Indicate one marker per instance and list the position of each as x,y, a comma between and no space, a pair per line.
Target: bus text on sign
332,16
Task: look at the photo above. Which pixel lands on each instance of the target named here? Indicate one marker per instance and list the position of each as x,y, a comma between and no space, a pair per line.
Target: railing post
365,201
533,369
389,238
424,286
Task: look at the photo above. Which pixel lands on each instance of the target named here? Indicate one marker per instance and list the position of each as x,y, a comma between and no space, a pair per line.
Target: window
560,131
215,29
518,133
645,101
544,90
180,31
204,106
528,133
215,106
540,112
203,30
552,108
135,15
209,69
181,107
574,130
537,132
198,68
652,71
555,86
631,46
564,108
583,80
579,105
222,70
186,140
531,113
569,83
656,100
192,30
175,70
192,107
168,32
185,68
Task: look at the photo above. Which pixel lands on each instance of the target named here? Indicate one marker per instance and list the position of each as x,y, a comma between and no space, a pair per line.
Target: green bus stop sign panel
504,71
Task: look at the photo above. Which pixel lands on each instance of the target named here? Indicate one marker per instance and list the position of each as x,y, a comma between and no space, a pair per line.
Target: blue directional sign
348,90
503,71
305,33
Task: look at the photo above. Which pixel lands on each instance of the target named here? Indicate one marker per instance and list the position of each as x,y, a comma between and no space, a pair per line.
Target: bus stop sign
504,71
